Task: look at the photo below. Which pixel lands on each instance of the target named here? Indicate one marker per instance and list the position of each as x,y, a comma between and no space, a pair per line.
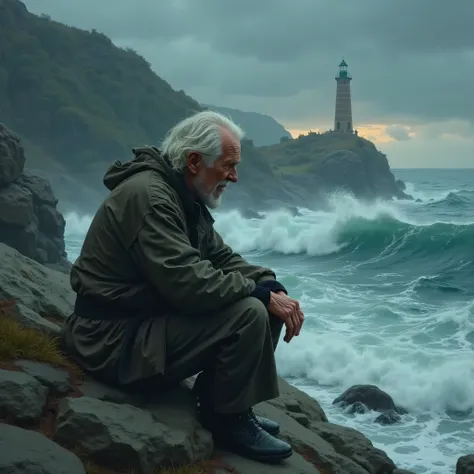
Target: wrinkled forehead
230,147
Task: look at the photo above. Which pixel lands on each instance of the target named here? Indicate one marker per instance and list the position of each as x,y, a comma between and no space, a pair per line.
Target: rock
296,464
354,445
388,417
465,464
12,156
28,452
29,220
22,397
40,293
369,395
56,380
39,187
16,206
402,471
357,407
292,400
309,444
121,435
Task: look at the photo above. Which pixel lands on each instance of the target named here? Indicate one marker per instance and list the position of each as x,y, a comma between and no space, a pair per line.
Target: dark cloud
412,61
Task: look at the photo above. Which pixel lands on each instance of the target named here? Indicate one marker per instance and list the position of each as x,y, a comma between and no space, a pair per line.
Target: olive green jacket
151,243
151,251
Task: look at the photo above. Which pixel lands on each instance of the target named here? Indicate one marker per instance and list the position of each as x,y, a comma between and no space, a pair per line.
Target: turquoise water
388,293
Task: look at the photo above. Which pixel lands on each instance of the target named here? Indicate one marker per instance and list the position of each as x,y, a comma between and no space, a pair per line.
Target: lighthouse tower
343,112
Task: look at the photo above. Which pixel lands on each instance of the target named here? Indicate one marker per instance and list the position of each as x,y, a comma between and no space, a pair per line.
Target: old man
161,297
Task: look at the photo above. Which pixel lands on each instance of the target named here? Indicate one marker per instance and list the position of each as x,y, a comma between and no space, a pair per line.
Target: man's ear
194,162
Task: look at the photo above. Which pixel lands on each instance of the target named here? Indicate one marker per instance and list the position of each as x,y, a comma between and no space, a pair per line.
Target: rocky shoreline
70,423
55,419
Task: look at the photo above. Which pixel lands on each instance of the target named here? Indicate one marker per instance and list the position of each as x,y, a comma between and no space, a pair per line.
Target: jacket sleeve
175,268
223,257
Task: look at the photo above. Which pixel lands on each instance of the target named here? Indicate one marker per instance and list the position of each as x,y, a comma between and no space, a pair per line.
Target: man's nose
233,176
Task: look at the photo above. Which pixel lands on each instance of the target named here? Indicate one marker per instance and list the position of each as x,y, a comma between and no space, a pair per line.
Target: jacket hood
146,158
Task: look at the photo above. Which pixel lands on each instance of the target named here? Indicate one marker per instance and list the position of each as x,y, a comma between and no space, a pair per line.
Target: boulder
122,435
22,397
29,220
28,452
369,396
12,156
56,380
44,297
465,464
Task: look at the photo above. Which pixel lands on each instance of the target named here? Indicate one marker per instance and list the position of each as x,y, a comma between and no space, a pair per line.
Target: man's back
107,267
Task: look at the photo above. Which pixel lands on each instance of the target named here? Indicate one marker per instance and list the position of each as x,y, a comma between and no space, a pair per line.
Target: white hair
200,132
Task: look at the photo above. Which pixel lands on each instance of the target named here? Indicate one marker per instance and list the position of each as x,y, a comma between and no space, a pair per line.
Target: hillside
74,96
260,128
331,160
78,103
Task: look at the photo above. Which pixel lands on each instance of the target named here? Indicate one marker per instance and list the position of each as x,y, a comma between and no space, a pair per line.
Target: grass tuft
18,341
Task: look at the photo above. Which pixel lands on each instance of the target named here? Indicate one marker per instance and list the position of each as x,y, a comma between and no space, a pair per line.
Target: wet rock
44,297
121,435
369,395
22,397
388,417
55,379
354,445
28,452
465,464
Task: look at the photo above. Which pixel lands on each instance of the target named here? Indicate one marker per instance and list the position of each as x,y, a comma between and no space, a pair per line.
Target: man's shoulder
149,186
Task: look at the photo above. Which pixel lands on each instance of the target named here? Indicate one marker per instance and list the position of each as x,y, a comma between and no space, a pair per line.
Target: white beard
207,198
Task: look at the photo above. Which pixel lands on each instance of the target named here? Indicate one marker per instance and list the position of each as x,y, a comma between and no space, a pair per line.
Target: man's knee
250,311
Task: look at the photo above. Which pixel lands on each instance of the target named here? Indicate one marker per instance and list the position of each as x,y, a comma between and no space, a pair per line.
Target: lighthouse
343,112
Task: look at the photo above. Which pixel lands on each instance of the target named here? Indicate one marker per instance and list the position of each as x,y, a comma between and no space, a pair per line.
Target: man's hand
289,311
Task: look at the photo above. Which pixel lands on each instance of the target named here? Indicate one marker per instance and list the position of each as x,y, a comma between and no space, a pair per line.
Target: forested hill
75,96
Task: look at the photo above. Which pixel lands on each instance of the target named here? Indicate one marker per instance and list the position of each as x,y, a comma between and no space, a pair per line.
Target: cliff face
29,220
335,162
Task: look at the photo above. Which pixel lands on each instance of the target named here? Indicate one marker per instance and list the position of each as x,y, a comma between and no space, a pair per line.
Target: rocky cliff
335,161
29,219
55,419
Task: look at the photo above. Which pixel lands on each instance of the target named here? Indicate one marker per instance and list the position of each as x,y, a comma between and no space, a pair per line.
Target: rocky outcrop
336,162
43,296
465,464
29,219
69,422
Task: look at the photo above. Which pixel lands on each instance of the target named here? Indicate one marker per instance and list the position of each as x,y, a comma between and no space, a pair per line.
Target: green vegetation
75,96
307,151
20,342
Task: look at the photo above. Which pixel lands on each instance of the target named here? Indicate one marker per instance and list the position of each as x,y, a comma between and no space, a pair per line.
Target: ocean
388,294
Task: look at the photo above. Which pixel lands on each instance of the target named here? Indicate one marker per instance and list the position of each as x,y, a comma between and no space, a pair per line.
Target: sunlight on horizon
376,133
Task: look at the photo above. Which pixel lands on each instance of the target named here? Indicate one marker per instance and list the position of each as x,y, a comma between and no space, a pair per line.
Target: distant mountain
260,128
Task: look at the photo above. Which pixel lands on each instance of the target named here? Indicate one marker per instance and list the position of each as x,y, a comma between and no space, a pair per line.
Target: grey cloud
398,132
411,60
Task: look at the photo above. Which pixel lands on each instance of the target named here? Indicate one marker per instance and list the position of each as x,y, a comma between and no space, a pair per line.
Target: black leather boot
205,408
268,425
241,434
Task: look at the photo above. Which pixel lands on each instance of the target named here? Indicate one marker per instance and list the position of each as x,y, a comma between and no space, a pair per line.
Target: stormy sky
412,62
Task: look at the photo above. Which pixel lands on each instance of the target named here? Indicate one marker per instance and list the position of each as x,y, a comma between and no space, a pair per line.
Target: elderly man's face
210,182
